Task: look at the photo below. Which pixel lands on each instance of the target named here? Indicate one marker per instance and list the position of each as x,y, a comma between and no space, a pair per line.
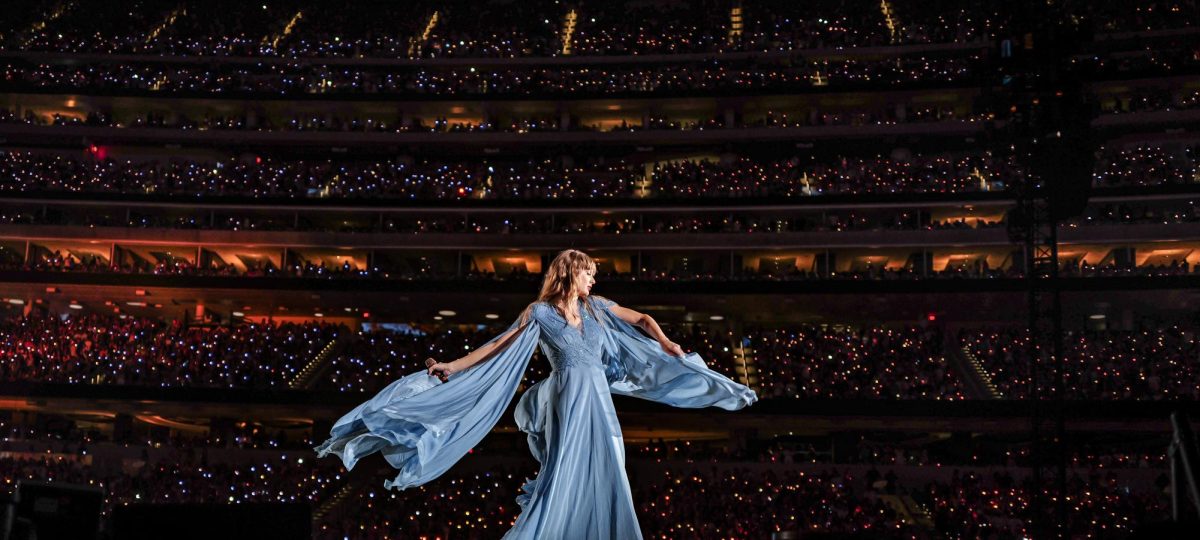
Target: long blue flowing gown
423,426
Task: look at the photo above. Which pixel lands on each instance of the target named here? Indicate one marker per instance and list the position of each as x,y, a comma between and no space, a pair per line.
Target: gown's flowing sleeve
423,426
636,366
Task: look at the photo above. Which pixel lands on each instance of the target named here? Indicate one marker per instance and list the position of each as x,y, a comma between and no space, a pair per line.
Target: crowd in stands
792,361
798,362
1000,506
298,79
533,29
804,362
738,178
678,500
628,222
674,499
710,505
815,362
490,29
125,350
295,479
884,115
742,177
1157,362
1149,165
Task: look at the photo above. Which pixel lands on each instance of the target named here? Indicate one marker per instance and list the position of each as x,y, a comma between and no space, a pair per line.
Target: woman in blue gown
426,421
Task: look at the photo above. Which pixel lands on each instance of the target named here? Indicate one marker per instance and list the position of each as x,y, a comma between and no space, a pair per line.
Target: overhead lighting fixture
492,316
318,314
73,305
717,317
437,317
136,304
447,313
238,314
16,301
1096,317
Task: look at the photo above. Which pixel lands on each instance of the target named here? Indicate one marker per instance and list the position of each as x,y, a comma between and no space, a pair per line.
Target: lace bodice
567,346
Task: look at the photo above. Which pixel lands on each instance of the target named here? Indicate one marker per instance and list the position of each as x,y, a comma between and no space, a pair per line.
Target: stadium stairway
976,379
316,368
735,24
745,366
417,43
356,480
568,31
908,510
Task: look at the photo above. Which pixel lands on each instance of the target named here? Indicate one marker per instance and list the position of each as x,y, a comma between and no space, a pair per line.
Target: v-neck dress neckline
582,318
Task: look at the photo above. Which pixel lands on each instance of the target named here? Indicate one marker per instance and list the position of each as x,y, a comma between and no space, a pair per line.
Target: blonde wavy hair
560,278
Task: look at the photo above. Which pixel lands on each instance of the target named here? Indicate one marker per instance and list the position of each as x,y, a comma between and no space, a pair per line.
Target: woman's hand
672,348
437,369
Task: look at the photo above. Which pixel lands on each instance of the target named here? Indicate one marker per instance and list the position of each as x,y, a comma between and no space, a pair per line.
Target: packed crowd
677,501
801,362
125,350
674,499
492,29
613,222
298,79
301,479
742,177
1000,506
816,362
1158,362
796,362
532,29
710,505
1149,165
890,114
738,178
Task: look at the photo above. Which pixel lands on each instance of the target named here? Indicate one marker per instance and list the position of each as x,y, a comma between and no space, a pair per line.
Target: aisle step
417,43
568,31
736,24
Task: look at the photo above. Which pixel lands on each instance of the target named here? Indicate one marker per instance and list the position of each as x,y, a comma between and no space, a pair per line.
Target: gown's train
423,426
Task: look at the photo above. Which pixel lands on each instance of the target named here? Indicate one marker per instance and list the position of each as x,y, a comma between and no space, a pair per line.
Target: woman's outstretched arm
647,323
443,370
